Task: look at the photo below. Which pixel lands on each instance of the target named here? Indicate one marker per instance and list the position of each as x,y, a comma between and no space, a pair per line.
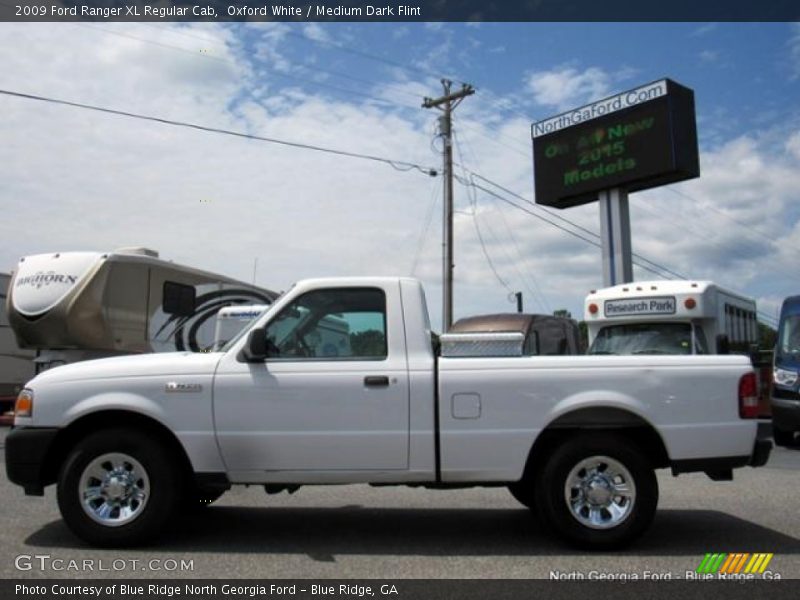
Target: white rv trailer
16,364
72,306
669,317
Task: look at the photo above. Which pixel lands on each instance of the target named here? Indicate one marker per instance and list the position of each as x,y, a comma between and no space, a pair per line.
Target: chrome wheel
114,489
600,492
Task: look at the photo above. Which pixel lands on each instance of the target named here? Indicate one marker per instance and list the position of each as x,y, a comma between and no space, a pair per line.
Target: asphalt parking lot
362,532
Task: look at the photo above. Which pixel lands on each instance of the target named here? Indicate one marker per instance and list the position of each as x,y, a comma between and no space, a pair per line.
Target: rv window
179,299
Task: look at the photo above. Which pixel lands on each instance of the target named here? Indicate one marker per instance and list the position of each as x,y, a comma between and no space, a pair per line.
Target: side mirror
723,344
255,350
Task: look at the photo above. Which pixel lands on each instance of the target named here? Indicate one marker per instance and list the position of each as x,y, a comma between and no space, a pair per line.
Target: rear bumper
26,451
721,469
761,452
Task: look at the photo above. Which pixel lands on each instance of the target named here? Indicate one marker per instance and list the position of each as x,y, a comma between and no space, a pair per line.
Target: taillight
748,396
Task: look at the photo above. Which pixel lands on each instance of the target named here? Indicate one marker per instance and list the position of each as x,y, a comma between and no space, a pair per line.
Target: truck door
332,395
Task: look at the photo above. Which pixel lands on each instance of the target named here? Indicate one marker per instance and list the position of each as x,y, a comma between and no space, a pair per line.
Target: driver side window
331,324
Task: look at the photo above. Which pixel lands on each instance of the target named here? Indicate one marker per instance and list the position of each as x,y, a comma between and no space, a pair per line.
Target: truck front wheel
118,488
597,491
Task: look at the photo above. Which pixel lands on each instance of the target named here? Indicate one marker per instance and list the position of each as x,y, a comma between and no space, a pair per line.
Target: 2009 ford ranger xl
341,381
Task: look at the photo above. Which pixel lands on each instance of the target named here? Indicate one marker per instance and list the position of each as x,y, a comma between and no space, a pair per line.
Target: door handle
376,381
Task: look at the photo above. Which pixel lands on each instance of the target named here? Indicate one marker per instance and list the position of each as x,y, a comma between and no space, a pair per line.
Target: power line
423,236
472,194
320,84
556,216
474,204
638,261
399,165
554,224
369,56
273,72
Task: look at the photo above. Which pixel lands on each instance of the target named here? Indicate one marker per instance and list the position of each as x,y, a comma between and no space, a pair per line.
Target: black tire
523,493
782,437
609,531
155,475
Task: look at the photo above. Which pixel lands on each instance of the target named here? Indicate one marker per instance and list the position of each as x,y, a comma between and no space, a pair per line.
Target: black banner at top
399,10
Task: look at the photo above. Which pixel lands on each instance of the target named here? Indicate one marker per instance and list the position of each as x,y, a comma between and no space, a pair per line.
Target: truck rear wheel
118,488
597,491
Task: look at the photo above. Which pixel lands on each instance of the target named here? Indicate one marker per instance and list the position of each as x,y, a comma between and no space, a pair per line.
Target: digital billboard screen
635,140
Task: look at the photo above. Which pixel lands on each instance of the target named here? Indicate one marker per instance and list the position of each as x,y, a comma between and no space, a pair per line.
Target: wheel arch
609,419
87,424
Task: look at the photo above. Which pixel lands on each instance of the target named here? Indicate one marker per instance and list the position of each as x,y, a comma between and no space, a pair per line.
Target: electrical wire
537,296
423,236
585,230
272,72
474,206
399,165
638,260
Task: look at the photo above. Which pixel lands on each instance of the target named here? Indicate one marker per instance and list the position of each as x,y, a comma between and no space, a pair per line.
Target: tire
574,491
523,493
782,437
132,488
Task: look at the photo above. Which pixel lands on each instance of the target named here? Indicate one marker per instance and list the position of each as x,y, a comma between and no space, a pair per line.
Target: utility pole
447,103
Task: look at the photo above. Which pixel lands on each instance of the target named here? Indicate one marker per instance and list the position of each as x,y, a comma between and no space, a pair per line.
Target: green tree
767,336
368,343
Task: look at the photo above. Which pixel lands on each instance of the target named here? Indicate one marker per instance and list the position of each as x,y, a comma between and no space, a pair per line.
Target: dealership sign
635,140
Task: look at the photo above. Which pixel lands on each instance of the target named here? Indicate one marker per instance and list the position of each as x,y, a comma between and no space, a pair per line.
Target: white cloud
79,180
793,145
705,29
314,31
708,56
794,50
566,86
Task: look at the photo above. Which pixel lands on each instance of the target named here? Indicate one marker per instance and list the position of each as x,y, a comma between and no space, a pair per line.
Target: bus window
644,338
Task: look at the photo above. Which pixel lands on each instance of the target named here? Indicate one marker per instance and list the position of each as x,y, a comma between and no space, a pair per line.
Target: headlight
784,377
24,404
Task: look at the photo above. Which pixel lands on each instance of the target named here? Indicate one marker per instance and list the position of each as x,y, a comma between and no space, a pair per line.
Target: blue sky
88,181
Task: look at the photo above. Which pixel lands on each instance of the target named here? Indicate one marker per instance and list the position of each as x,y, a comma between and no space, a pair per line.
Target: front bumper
786,413
27,449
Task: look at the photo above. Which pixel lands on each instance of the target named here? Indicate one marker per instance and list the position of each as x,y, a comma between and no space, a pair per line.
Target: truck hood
140,365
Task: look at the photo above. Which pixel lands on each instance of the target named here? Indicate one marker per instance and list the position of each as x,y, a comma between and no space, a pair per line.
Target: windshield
647,338
789,337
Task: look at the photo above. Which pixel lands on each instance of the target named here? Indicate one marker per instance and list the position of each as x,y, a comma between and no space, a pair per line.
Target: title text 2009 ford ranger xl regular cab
341,382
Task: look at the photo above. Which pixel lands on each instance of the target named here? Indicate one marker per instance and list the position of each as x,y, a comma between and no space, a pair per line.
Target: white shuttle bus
72,306
669,317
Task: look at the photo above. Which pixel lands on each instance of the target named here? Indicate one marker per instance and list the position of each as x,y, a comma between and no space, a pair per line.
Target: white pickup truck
132,440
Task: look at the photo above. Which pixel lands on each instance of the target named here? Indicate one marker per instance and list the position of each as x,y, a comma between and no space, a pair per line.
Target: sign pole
615,234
